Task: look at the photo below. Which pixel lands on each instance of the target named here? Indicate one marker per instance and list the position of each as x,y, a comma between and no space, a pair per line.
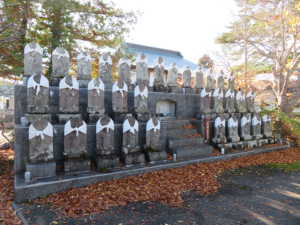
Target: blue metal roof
152,53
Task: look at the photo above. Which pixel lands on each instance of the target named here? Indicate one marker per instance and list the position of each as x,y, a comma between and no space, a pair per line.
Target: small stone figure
68,95
173,76
210,79
38,94
96,96
60,63
246,127
240,102
250,102
219,130
220,80
33,59
130,136
159,71
119,97
141,98
105,68
153,134
198,78
230,81
205,100
186,77
105,136
124,70
229,99
142,70
266,126
256,127
40,142
84,66
233,130
218,96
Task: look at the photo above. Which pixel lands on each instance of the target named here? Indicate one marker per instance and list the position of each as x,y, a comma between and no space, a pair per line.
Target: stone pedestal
120,117
133,159
106,162
251,144
227,147
238,145
210,116
142,117
83,83
188,90
71,166
55,81
93,118
160,88
262,142
175,90
64,118
41,170
31,118
197,90
156,156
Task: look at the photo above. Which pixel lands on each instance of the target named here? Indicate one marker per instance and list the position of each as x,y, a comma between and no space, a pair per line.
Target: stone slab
133,159
31,118
119,118
64,118
271,140
106,162
262,142
181,142
83,83
76,166
93,118
41,170
227,147
142,117
194,151
175,90
188,90
251,144
238,145
156,156
210,116
160,88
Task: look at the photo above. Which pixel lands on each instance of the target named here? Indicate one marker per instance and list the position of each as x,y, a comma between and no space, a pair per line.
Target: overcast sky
188,26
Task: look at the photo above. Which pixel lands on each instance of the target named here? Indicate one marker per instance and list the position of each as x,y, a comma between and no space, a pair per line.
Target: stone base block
246,138
227,147
235,138
251,144
156,156
64,118
210,116
175,90
71,166
142,117
55,81
267,135
271,140
262,142
32,109
106,161
219,140
41,170
160,88
120,117
93,118
83,83
238,145
257,137
131,87
31,118
197,90
188,90
133,159
238,115
226,115
150,89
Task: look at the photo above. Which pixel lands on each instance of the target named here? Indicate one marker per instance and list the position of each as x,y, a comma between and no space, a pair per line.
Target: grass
293,167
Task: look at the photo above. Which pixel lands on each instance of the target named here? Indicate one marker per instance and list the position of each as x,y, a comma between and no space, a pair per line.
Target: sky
188,26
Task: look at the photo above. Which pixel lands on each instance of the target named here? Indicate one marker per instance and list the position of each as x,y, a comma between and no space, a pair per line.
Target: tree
272,39
205,61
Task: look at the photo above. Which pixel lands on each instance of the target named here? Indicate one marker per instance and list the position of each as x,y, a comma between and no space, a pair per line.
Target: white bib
66,54
38,49
229,94
32,84
91,86
116,88
239,96
63,84
156,63
245,120
69,129
140,60
108,61
266,118
150,125
126,126
216,93
231,123
35,133
218,122
255,121
121,61
143,94
86,57
250,95
110,125
204,93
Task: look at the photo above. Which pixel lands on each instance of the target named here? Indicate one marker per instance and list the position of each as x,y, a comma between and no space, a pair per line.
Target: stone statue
130,136
142,69
141,98
229,99
159,71
173,76
220,80
105,136
250,102
210,79
153,134
124,70
246,127
33,59
266,126
256,127
198,78
96,96
230,81
219,130
205,101
60,63
105,68
119,97
218,97
84,66
186,77
233,130
68,95
240,102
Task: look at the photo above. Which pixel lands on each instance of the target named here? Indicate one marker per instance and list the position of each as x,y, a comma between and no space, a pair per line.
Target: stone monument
220,80
142,70
198,80
205,101
250,102
266,126
96,96
210,79
172,81
141,103
105,69
220,140
240,102
218,97
33,59
256,127
159,73
230,81
229,101
124,72
187,80
245,131
84,69
233,134
60,65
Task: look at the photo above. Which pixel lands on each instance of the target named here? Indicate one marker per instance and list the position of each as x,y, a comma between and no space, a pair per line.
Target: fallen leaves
194,135
190,126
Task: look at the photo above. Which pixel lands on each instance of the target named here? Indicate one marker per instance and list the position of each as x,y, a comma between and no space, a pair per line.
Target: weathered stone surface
55,81
205,100
160,88
105,68
33,59
174,89
186,77
142,117
266,126
227,147
219,130
105,137
218,97
124,70
142,70
262,142
240,102
141,98
220,80
229,101
233,130
106,162
230,81
250,102
83,83
96,96
69,98
159,73
75,142
197,90
198,79
133,159
119,97
256,127
251,144
156,156
238,145
173,75
64,118
210,79
130,136
210,116
119,118
41,170
153,134
187,91
31,118
40,144
271,140
60,63
246,127
71,166
38,94
93,118
84,66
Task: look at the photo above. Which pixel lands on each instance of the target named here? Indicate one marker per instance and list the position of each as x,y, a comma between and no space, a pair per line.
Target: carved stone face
160,60
143,56
105,57
61,50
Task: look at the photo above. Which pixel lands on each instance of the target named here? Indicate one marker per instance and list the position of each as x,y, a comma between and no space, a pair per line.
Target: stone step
176,124
186,152
180,132
184,142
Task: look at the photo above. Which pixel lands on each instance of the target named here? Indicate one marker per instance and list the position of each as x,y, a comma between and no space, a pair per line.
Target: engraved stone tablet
60,63
105,136
246,127
229,101
142,69
250,101
256,127
141,98
186,77
84,66
68,95
218,97
130,136
172,75
119,97
33,59
105,68
210,79
198,78
124,70
153,134
240,102
96,96
219,130
205,100
233,130
266,126
159,71
220,80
